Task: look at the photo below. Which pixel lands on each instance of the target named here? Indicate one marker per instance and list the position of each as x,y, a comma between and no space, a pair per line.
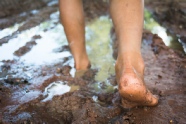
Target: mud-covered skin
130,79
164,64
165,75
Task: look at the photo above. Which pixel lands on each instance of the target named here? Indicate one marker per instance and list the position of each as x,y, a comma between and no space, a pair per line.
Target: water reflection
26,97
183,43
98,47
104,87
170,40
8,31
53,36
55,88
43,51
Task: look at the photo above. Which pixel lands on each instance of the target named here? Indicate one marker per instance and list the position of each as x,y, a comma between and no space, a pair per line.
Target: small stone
171,121
159,76
125,117
18,80
58,70
27,91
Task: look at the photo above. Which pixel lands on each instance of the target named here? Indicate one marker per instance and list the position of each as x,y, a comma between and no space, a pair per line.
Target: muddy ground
38,83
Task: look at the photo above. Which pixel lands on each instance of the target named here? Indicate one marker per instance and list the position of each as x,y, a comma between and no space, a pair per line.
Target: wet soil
38,83
171,15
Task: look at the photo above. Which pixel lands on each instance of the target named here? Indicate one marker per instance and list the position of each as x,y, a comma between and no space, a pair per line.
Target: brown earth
165,75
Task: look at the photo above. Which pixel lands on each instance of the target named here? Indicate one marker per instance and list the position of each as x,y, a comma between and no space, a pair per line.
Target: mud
171,15
38,82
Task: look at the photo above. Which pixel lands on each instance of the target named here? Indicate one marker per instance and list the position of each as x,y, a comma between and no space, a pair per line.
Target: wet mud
38,82
171,15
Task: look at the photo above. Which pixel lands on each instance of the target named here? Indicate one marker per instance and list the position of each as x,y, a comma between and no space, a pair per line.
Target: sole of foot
133,91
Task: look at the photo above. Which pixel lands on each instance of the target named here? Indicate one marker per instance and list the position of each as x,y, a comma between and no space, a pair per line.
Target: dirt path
44,89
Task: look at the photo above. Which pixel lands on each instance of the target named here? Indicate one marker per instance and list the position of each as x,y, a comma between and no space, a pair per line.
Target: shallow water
97,37
170,40
44,53
55,88
99,47
9,31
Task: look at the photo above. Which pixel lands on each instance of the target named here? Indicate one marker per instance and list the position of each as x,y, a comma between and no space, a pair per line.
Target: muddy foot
131,83
80,73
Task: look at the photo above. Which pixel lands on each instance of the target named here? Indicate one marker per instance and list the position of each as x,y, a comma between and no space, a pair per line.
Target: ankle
82,63
82,66
131,61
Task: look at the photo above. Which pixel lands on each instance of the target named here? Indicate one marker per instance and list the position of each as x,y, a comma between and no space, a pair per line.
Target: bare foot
130,77
80,73
82,65
82,62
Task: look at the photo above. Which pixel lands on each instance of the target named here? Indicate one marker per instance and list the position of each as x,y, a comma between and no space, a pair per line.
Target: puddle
104,87
43,52
24,95
99,47
170,40
57,88
9,31
53,37
95,98
184,44
52,3
28,96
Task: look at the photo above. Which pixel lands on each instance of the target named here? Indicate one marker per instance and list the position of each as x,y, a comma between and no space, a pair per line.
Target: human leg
127,16
72,18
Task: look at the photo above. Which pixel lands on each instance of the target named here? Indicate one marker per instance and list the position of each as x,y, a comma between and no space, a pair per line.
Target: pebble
58,70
